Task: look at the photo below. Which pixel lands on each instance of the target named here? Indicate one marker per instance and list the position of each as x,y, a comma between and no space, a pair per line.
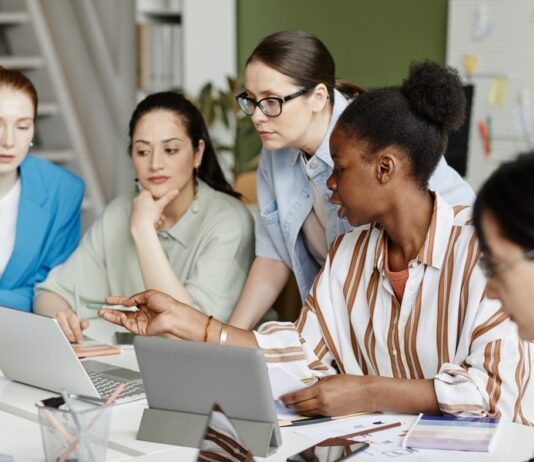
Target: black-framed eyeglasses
490,269
270,106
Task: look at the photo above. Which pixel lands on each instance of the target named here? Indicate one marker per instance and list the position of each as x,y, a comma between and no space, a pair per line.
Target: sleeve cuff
456,392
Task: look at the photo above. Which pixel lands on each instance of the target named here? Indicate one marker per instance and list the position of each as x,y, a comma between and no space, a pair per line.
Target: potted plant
233,135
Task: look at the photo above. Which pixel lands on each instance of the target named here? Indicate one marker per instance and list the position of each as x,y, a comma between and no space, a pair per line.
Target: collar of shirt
187,227
322,155
434,247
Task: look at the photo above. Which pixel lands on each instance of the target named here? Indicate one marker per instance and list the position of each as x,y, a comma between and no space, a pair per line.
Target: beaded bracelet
207,328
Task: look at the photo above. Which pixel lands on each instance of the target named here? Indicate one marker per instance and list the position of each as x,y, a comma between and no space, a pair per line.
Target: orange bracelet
207,328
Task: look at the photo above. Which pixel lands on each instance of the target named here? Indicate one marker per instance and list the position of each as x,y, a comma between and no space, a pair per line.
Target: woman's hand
347,394
332,396
146,211
70,324
158,314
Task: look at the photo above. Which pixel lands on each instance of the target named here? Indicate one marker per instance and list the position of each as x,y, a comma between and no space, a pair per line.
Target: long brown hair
209,170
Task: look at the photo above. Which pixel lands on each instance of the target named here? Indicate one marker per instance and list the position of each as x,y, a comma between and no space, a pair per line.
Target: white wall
210,47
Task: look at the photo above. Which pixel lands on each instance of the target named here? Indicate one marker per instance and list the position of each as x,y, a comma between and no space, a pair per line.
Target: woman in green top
185,233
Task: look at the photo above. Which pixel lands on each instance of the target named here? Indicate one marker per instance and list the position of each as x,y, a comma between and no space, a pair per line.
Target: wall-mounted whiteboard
498,37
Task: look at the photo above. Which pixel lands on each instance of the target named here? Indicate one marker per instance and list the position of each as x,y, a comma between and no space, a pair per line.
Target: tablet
191,377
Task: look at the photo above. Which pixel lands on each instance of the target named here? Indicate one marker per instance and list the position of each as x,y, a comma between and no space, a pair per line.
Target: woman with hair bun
294,101
397,319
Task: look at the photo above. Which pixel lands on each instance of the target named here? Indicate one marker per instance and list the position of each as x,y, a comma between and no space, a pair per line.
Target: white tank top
9,211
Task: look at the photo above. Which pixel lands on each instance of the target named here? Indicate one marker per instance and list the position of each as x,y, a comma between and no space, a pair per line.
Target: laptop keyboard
106,386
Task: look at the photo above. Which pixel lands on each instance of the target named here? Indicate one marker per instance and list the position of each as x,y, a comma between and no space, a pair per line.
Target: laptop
35,351
189,378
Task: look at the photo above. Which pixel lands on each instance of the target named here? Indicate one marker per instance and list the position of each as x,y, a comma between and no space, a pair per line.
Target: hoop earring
137,185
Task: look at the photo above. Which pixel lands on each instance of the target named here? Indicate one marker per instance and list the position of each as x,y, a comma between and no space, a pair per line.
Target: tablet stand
186,429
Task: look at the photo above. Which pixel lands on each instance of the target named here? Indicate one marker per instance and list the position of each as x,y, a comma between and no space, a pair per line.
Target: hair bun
436,93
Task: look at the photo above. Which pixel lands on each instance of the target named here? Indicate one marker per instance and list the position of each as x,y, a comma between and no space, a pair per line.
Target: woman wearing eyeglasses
504,220
397,319
294,101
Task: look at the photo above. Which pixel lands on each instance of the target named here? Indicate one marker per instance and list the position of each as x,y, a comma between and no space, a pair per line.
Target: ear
387,166
199,153
319,97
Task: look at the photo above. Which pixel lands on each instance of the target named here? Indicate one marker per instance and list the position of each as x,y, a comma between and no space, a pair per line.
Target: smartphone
124,338
330,450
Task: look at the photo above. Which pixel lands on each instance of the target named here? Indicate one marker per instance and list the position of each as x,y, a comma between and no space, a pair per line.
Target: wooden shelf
22,62
47,109
13,18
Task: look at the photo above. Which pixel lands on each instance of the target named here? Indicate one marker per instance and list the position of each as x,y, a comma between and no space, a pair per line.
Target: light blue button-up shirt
285,199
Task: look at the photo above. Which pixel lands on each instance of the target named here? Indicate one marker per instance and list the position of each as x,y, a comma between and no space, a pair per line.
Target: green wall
372,41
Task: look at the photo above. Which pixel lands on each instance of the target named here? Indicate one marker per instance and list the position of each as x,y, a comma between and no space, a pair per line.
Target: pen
77,303
68,403
103,306
109,402
92,399
312,420
408,433
371,430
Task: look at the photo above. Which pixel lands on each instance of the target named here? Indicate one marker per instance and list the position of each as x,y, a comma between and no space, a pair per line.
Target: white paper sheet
385,445
282,383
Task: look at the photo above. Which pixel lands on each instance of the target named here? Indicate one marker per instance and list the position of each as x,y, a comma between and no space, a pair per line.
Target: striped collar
434,248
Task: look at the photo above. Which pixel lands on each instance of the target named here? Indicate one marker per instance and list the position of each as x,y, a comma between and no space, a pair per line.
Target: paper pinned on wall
471,63
498,91
524,113
481,26
524,119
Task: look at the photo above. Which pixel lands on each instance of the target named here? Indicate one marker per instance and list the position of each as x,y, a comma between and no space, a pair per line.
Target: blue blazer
48,228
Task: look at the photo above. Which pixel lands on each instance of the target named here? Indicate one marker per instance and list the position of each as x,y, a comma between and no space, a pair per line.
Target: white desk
20,433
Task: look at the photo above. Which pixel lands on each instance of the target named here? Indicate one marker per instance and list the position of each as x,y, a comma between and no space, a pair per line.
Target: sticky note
471,63
498,91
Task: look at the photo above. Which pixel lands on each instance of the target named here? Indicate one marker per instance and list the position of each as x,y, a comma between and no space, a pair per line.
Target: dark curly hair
509,195
209,171
416,116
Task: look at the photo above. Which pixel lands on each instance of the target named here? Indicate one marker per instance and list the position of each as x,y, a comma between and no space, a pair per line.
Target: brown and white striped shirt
444,328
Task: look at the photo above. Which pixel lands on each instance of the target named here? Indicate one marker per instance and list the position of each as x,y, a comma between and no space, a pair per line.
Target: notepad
95,348
452,433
